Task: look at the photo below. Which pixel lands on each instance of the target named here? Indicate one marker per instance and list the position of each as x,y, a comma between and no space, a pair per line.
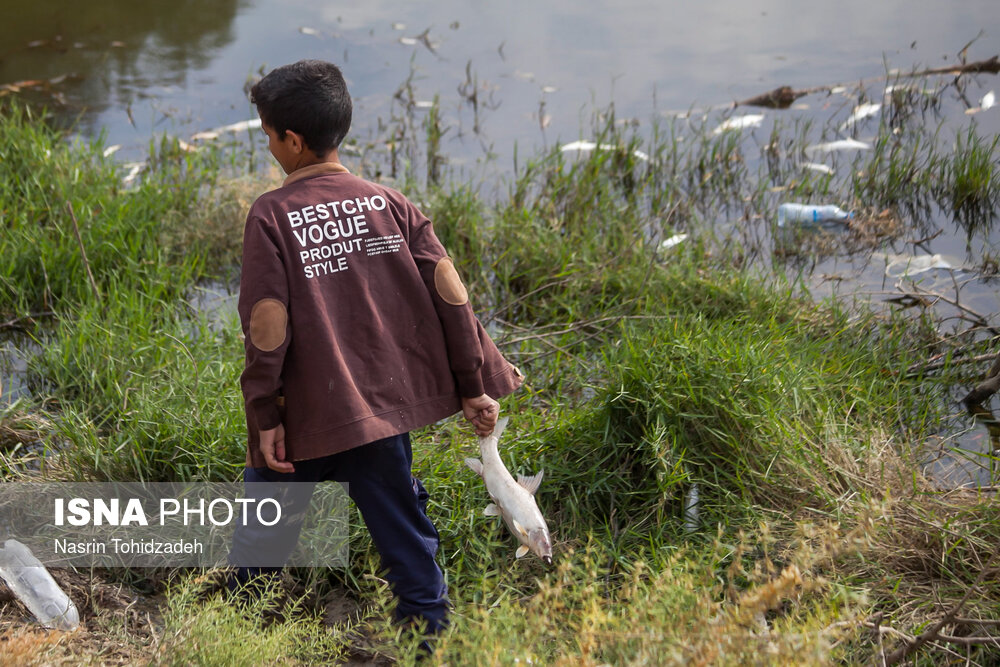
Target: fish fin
531,484
476,465
491,510
498,429
521,552
519,528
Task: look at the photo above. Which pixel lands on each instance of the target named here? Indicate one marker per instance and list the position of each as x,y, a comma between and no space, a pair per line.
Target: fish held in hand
512,500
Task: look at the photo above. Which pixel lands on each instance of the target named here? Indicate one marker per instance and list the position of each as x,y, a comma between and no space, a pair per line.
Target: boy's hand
272,447
483,412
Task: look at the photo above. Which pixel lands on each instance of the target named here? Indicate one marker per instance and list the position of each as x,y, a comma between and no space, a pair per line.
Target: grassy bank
651,370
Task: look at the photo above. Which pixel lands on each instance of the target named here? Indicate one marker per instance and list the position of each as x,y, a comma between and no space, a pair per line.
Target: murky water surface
538,71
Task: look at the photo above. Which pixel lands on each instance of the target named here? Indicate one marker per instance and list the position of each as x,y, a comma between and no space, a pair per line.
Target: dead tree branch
933,633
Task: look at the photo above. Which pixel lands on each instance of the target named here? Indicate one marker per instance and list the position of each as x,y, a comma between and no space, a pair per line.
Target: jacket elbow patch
448,285
268,319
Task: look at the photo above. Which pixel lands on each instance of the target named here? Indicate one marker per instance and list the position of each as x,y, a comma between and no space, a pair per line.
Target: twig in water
941,362
987,387
25,321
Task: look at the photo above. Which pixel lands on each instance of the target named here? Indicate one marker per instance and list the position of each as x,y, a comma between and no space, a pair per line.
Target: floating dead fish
408,41
815,166
988,101
133,171
111,150
676,239
590,145
514,501
242,126
739,123
839,145
861,112
305,30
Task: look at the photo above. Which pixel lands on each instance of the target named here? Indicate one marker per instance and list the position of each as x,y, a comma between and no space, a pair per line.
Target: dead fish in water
582,146
242,126
514,501
988,101
749,120
839,145
861,112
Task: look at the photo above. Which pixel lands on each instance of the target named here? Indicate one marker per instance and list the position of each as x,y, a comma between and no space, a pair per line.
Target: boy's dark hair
309,98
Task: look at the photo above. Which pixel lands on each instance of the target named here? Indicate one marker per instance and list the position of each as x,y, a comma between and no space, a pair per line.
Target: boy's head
309,98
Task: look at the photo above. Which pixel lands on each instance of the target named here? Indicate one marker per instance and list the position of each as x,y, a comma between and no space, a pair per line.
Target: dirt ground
121,623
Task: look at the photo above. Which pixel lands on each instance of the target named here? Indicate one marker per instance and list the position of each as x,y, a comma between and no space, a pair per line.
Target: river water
130,71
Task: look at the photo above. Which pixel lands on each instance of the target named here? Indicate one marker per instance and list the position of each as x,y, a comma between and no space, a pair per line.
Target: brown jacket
357,325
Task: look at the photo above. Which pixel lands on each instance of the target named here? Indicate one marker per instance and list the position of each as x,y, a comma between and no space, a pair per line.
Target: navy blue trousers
393,504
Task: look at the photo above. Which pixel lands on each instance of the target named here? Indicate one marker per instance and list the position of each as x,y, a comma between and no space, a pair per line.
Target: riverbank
659,359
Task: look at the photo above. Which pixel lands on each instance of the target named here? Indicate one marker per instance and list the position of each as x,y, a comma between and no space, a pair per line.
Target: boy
358,330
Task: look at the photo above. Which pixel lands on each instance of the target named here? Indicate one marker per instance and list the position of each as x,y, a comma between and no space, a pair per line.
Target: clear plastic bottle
691,509
810,214
35,587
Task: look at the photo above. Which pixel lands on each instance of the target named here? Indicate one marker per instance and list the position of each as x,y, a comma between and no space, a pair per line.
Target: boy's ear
296,142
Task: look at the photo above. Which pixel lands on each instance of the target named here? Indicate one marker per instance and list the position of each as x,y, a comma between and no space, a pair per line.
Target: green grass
649,370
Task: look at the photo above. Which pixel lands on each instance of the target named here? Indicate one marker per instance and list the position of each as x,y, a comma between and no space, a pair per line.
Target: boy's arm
263,309
451,301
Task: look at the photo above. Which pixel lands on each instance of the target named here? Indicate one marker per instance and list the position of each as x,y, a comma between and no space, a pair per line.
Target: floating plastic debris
899,266
739,123
861,112
811,214
839,145
590,145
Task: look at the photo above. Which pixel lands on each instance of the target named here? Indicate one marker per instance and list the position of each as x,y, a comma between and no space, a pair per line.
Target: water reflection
110,53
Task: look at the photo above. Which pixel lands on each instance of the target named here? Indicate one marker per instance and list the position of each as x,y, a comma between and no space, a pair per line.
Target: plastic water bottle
810,214
691,509
35,587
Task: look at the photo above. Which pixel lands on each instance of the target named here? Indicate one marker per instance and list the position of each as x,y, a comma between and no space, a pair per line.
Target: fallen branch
933,633
783,97
989,66
941,361
987,387
968,641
